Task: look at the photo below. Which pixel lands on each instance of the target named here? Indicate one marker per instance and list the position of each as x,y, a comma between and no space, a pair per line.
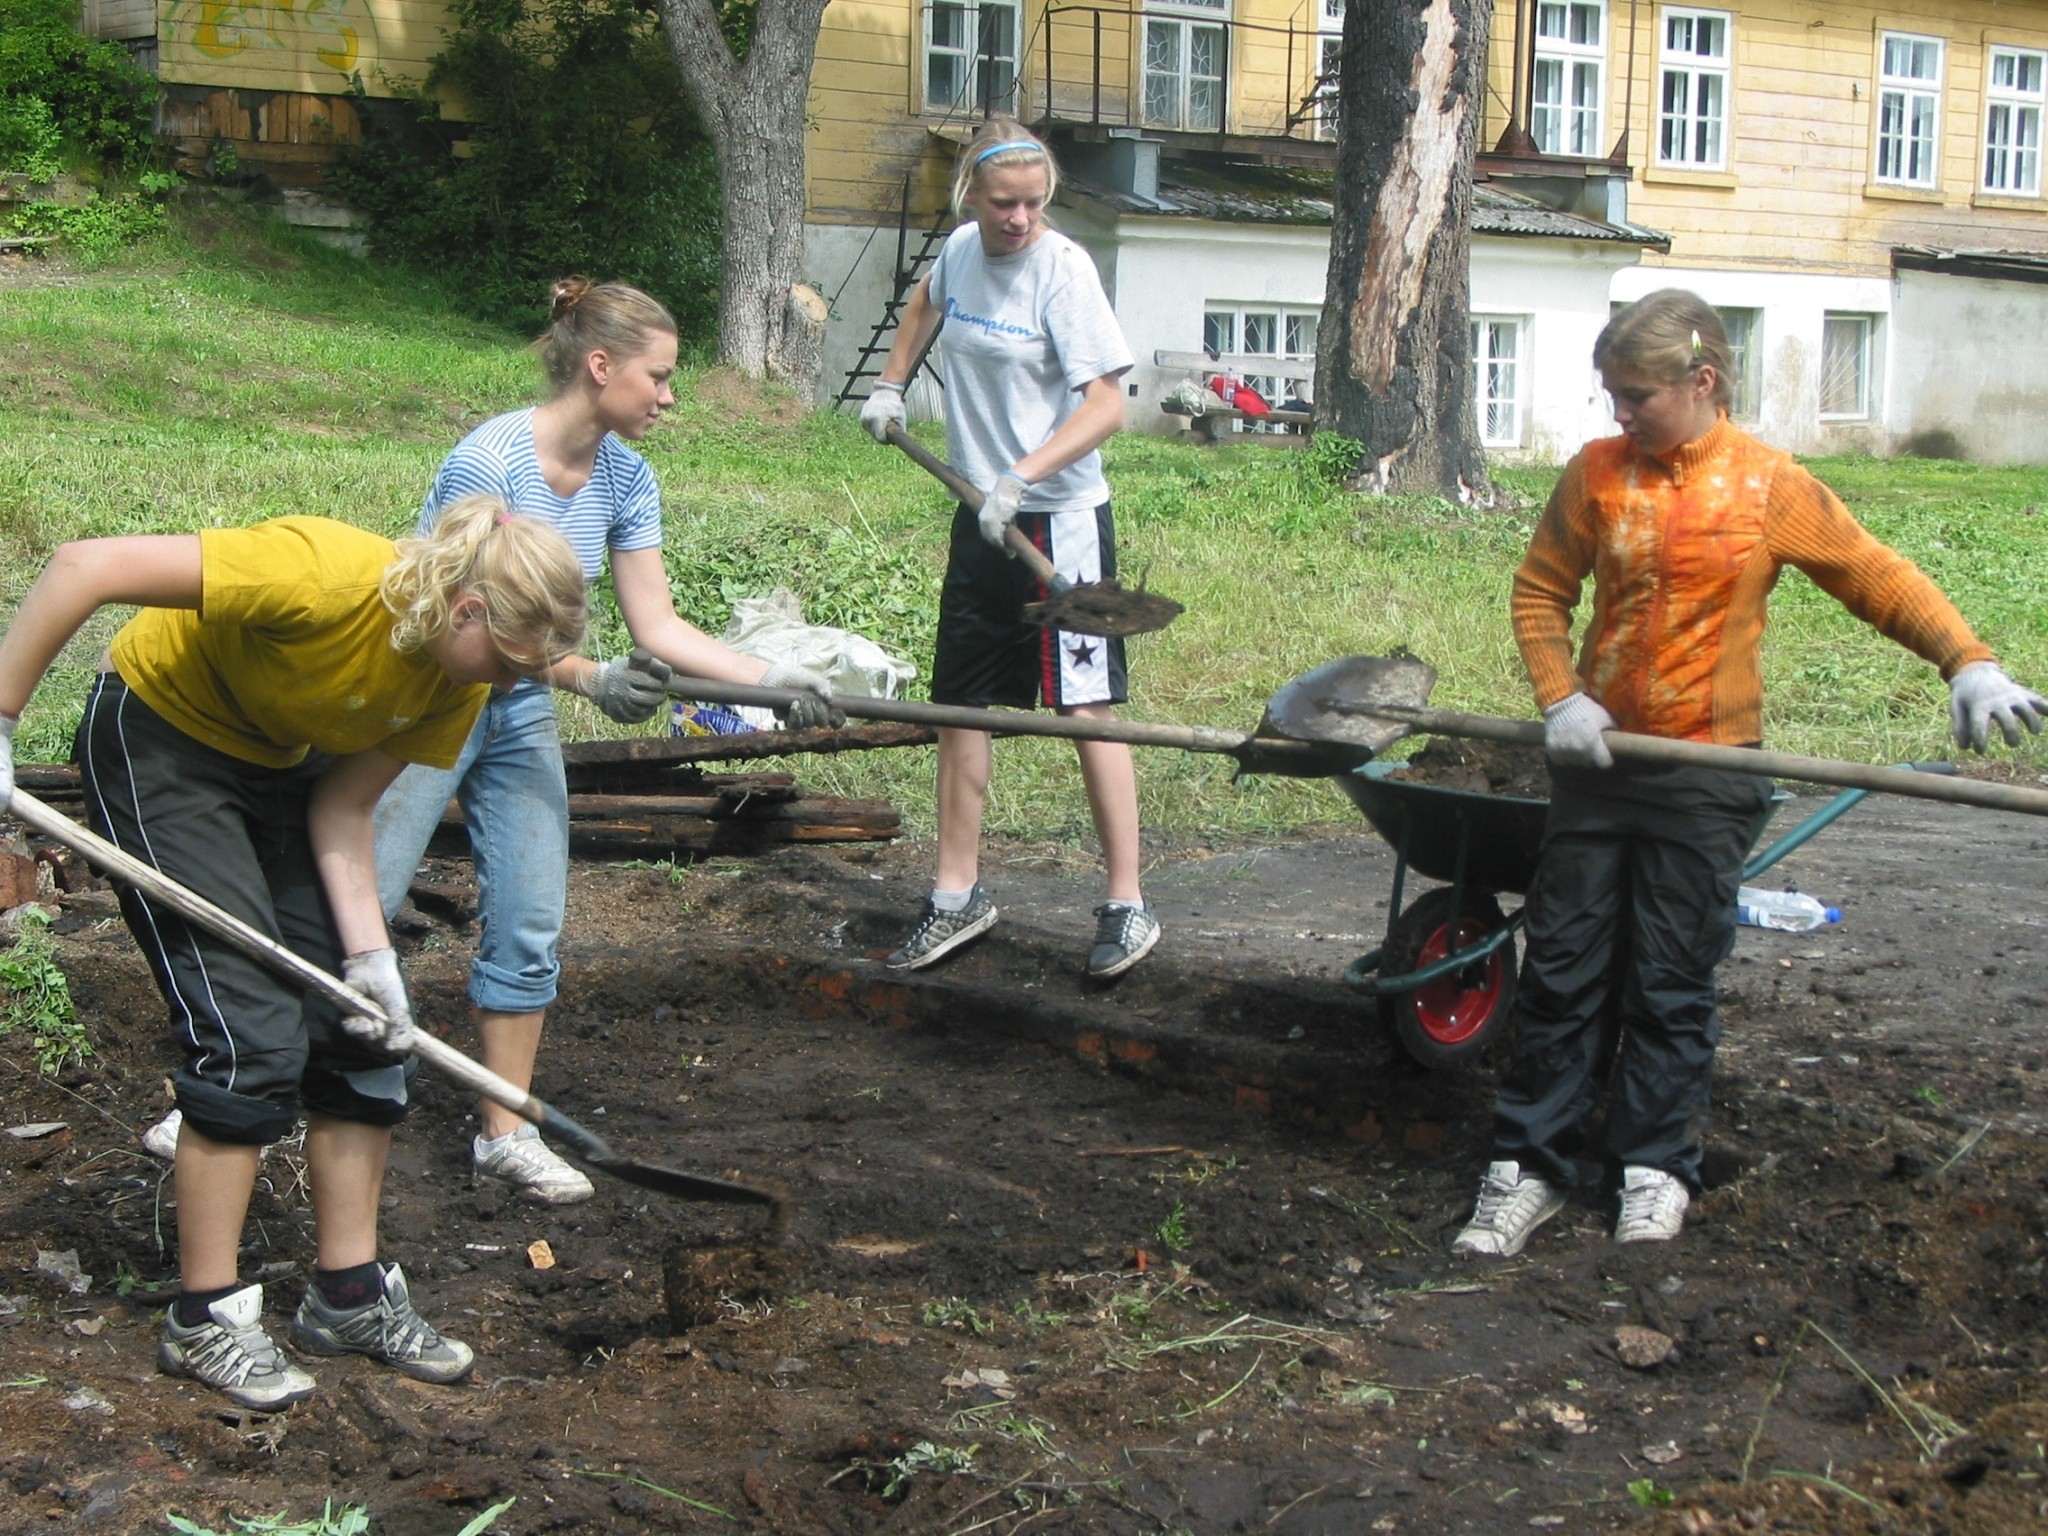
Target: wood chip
539,1254
39,1129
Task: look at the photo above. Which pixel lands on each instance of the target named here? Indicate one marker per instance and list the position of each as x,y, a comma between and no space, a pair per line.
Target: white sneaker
1653,1206
1511,1206
530,1166
161,1139
231,1353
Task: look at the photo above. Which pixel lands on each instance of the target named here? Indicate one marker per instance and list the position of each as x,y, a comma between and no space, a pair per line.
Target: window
970,56
1184,61
1845,367
1326,85
1692,114
1264,330
1908,109
1741,326
2012,122
1571,56
1497,379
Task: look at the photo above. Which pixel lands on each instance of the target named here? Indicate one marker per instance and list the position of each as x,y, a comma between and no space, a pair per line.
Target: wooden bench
1211,425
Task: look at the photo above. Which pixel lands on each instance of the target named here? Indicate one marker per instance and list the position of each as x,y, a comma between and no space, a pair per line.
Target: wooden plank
679,751
1243,362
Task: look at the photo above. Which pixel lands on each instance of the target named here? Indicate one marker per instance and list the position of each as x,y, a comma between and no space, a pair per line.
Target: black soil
1164,1257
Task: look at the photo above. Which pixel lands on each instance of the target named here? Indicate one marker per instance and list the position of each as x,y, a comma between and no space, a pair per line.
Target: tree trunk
753,108
1394,356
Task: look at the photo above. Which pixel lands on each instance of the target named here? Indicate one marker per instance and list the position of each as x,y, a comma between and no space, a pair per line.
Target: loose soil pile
1481,767
1169,1256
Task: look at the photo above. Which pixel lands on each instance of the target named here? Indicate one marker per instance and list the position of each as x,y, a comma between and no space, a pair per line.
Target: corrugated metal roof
1269,194
2005,266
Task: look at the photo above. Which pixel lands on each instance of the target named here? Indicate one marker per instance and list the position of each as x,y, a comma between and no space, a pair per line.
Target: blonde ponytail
531,583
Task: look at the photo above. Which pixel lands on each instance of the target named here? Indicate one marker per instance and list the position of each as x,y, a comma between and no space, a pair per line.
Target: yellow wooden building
1859,189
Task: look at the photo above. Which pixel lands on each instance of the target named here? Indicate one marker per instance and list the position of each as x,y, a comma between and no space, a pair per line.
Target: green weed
1646,1492
349,1520
1173,1231
39,998
955,1313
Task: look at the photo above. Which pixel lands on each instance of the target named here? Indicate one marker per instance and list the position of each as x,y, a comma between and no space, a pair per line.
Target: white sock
1117,903
952,901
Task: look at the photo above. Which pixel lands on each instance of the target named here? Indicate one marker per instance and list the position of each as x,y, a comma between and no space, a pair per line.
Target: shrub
58,87
584,158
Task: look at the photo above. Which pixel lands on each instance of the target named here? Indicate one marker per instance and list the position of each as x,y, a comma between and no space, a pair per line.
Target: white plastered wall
1792,307
1968,361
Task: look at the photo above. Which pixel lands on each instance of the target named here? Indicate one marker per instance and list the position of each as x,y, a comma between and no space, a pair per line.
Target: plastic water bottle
1787,911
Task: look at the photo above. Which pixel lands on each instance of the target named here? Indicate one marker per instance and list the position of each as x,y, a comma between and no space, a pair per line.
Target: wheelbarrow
1445,973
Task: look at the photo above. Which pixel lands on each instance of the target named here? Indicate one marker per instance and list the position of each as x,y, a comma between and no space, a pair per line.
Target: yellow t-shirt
290,649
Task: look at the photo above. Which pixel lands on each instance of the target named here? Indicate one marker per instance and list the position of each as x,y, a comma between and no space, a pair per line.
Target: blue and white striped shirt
619,507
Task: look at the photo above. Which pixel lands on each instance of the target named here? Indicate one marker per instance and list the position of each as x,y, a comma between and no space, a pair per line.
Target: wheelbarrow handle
971,498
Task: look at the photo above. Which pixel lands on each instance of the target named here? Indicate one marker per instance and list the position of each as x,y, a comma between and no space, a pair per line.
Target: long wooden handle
1313,757
971,498
260,947
1778,765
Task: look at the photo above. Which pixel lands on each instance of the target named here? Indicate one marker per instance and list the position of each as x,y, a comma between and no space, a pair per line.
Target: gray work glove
804,714
629,689
882,409
999,506
374,973
1571,732
7,725
1981,693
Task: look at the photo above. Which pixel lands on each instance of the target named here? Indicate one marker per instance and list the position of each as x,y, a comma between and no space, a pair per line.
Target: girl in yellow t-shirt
239,733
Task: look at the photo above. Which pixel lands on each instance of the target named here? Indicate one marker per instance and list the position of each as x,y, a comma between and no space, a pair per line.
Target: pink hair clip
504,517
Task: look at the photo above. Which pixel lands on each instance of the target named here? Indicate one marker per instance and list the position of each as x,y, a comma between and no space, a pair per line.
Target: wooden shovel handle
971,498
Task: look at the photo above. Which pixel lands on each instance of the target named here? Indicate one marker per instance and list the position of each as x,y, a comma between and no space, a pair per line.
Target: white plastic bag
773,629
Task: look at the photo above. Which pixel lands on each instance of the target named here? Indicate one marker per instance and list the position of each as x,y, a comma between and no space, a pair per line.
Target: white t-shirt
1022,335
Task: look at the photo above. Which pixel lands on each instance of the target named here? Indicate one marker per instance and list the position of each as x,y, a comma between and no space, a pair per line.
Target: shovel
1254,754
587,1145
1085,608
1371,702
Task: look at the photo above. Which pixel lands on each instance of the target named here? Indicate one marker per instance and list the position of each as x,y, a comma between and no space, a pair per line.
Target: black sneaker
387,1329
938,934
1123,937
231,1353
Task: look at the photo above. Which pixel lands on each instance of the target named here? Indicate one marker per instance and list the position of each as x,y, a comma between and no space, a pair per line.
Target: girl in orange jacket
1684,522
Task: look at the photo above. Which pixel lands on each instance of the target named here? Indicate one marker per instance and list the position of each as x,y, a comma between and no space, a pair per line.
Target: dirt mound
1481,767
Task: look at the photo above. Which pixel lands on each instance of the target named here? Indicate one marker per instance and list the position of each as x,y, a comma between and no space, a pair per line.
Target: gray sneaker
938,934
1123,937
386,1329
530,1166
231,1353
1512,1205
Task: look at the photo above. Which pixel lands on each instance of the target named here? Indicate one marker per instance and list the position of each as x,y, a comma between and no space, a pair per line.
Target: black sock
192,1305
347,1289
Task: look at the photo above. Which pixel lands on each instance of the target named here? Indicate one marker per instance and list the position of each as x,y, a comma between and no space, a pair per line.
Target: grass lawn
237,372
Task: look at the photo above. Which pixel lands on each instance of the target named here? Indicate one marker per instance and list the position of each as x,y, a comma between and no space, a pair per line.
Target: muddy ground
1166,1257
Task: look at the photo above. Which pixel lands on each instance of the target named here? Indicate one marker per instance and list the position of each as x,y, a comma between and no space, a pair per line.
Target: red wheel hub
1452,1009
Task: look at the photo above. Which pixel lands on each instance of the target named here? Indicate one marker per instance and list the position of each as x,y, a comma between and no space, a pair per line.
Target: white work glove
629,689
374,973
1981,693
882,409
7,725
811,714
1571,732
999,506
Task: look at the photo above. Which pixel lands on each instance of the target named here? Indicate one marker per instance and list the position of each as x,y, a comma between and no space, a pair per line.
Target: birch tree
1393,358
751,100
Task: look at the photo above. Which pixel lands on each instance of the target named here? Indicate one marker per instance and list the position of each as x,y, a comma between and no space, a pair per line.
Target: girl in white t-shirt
1034,357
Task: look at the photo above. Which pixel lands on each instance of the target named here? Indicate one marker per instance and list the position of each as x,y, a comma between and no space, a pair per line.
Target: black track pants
1633,904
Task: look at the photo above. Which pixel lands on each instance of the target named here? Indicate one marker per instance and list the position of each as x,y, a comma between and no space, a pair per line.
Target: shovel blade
1341,700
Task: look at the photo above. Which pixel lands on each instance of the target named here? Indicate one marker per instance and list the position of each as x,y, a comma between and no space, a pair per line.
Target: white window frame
1290,324
1703,85
1865,329
1746,386
2013,115
1567,125
1907,123
1487,366
1330,49
1184,19
975,68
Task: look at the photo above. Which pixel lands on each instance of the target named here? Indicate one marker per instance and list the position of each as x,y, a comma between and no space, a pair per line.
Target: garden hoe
1085,608
1370,702
587,1146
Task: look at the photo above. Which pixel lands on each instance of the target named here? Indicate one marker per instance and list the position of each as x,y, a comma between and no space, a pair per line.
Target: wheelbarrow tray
1501,835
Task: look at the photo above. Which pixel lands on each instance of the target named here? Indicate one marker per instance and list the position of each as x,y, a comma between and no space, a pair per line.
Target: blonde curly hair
535,603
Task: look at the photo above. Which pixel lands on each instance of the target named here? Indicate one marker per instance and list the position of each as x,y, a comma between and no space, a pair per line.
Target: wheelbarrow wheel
1457,1017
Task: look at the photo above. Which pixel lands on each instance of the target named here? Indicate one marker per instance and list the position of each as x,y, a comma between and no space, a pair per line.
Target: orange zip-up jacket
1683,553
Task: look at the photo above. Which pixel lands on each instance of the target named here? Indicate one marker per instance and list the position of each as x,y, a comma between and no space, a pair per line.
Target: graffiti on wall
339,33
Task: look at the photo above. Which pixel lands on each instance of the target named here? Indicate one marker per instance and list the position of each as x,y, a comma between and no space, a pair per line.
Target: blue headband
997,149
